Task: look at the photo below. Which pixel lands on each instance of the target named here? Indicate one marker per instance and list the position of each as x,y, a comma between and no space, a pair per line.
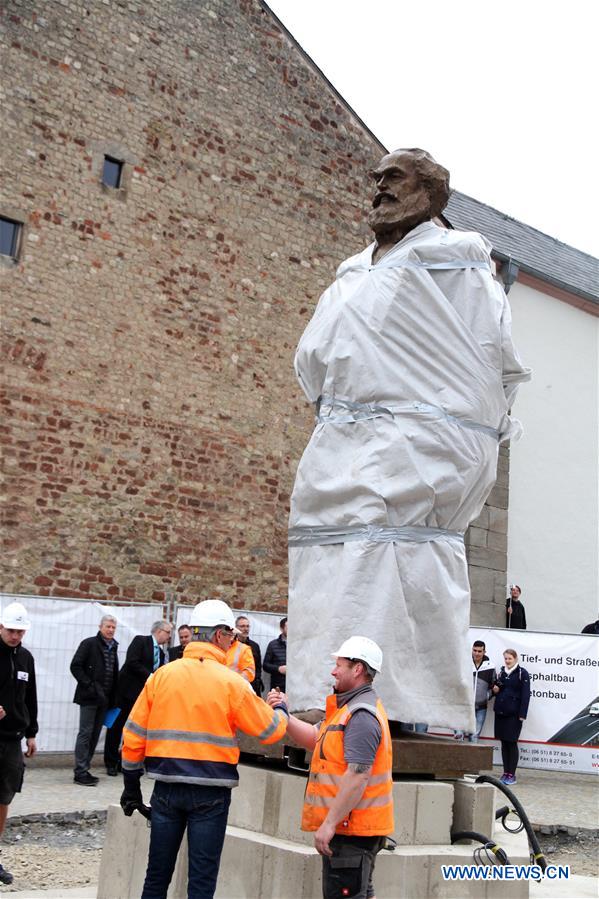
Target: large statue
409,362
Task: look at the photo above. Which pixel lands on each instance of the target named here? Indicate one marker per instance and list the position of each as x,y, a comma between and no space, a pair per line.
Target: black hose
488,844
537,855
503,814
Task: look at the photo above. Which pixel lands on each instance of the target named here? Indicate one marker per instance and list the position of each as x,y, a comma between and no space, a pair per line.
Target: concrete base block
256,865
474,807
415,872
259,865
271,802
434,813
124,856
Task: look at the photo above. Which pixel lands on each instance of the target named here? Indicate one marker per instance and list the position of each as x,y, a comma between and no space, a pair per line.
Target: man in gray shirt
349,801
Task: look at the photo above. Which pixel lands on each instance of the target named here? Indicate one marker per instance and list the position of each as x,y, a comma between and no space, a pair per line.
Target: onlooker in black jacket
242,623
592,628
95,667
144,655
512,690
176,652
18,709
515,616
275,658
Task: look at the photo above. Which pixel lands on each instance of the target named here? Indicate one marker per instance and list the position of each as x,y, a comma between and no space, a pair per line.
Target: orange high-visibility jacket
241,659
184,721
373,814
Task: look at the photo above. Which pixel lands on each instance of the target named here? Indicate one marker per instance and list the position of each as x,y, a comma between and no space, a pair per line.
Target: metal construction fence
57,627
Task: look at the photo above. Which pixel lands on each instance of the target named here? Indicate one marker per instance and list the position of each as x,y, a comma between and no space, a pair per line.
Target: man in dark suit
145,655
176,652
95,667
275,658
242,623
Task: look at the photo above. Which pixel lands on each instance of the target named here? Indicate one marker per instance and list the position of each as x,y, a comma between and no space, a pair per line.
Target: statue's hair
434,177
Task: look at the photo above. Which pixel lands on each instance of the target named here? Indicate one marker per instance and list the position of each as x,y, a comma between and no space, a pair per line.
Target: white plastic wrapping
413,364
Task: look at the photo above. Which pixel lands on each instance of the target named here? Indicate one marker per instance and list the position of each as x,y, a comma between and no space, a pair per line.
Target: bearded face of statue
401,198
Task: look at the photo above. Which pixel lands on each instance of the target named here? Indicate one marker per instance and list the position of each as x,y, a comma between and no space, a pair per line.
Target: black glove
131,797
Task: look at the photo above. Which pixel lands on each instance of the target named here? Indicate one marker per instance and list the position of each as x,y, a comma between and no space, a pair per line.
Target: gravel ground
53,854
580,851
66,853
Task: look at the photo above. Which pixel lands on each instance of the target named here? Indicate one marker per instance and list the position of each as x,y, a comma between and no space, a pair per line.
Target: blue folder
110,717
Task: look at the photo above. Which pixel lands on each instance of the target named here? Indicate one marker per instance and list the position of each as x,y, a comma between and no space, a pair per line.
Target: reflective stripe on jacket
184,721
373,814
240,658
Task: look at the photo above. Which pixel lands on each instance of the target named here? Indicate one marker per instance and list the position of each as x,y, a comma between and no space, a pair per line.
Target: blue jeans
204,811
480,715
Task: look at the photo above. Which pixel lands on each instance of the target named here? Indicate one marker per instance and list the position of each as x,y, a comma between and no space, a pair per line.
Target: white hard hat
363,649
15,617
211,613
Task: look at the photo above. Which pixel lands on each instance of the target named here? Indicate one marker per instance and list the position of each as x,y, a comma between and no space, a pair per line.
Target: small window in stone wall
10,237
112,172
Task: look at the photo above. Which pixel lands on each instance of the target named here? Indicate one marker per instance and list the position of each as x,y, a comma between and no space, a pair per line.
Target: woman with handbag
512,696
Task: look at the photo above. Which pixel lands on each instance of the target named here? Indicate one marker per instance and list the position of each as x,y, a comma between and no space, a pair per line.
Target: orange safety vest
240,658
183,725
373,814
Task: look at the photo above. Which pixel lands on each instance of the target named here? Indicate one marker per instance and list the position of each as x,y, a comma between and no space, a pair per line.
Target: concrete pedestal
266,856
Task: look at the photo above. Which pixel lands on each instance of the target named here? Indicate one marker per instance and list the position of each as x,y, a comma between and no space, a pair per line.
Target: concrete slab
576,887
474,807
124,855
434,812
256,864
261,865
271,802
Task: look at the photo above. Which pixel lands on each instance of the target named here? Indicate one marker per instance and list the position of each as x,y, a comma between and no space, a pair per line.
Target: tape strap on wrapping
450,265
437,266
337,411
323,535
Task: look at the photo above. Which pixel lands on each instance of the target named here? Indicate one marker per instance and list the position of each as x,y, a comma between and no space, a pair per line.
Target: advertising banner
561,731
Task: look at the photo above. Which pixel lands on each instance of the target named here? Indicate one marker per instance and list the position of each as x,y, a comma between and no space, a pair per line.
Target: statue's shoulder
360,260
469,244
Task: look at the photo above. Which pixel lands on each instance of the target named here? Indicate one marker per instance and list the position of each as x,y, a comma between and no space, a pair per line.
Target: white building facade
553,518
553,506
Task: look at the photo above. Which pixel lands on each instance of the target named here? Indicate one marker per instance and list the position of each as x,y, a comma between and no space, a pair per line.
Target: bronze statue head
410,188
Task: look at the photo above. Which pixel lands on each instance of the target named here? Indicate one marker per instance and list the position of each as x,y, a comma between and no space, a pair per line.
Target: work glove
131,797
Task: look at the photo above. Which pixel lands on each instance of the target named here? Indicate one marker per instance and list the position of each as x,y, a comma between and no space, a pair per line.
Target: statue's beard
402,213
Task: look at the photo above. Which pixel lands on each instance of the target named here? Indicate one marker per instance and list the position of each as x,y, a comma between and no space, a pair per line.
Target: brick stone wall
486,551
152,422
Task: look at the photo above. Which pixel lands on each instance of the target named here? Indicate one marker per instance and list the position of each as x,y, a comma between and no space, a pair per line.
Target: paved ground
550,799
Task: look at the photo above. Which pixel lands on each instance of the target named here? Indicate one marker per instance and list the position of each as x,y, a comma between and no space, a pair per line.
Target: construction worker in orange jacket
241,659
348,800
182,730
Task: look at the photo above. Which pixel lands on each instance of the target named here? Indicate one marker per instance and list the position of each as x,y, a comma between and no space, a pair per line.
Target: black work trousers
349,871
